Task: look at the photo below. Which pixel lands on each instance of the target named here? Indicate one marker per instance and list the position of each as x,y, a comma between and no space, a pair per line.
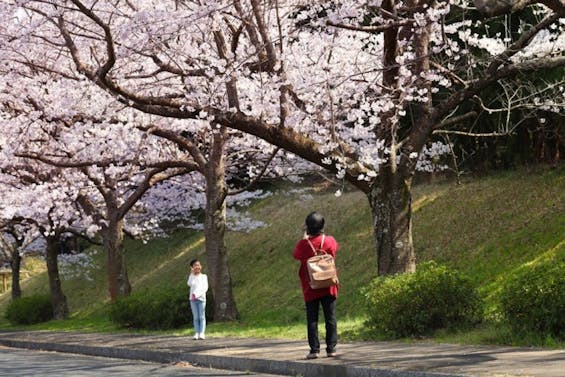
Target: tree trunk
215,227
58,299
118,280
390,195
391,206
15,263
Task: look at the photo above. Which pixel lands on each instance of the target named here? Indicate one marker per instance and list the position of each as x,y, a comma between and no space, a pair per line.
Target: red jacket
302,252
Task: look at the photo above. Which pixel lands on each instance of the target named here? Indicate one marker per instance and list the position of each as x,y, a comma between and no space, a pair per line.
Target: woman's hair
192,262
314,223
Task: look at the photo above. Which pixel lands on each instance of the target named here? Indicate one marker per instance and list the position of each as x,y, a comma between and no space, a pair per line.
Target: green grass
485,227
491,226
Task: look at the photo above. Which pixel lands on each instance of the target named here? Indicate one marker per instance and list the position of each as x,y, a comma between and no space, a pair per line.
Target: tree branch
110,49
267,43
151,178
182,142
455,120
296,143
83,236
497,70
470,134
520,44
370,29
259,176
499,7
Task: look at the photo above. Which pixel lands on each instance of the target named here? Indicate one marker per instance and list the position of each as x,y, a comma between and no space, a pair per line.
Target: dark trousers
312,311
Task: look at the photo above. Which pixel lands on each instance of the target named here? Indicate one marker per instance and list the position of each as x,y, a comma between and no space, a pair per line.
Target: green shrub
533,298
432,298
30,310
155,309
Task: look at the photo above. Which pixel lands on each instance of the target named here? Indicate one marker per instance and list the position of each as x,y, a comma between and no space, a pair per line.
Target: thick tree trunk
215,227
390,195
16,263
58,299
220,277
391,207
118,280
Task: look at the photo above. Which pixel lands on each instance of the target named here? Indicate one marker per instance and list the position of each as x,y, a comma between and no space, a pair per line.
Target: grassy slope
486,227
491,226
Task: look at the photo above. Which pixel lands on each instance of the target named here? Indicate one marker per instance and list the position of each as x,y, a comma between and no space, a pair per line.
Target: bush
154,309
416,304
29,310
533,298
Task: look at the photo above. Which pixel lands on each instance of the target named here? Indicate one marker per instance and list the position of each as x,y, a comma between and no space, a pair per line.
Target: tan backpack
321,267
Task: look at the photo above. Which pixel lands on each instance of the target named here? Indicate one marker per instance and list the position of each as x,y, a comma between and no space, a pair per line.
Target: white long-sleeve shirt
198,286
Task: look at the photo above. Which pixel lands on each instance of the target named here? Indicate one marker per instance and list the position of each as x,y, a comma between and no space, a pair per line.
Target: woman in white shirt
198,283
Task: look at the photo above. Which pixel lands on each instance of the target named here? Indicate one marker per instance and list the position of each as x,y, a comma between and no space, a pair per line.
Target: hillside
485,227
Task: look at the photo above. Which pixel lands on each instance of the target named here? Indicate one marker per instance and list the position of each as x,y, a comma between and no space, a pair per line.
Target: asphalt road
23,363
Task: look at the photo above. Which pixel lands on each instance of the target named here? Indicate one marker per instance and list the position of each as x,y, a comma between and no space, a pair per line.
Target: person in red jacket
326,297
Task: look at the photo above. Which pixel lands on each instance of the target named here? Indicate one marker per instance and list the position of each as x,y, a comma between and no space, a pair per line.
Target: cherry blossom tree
106,150
10,245
356,88
117,171
113,156
221,156
14,239
46,207
110,167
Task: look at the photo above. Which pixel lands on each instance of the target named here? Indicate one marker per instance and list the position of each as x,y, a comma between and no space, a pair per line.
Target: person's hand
193,297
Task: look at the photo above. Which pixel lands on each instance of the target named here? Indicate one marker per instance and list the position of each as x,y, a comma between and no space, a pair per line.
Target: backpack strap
321,245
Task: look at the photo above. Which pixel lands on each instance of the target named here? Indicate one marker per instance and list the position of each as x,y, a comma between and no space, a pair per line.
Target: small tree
43,206
10,246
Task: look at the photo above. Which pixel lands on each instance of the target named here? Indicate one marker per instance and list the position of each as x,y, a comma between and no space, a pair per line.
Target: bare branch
471,134
371,29
499,7
455,120
259,176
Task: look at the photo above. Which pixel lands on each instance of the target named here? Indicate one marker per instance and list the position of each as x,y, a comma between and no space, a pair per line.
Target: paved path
33,363
287,357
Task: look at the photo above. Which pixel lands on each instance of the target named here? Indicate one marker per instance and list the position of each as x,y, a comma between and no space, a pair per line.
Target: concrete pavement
287,357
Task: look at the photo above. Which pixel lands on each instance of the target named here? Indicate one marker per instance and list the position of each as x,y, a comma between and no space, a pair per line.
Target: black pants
312,311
